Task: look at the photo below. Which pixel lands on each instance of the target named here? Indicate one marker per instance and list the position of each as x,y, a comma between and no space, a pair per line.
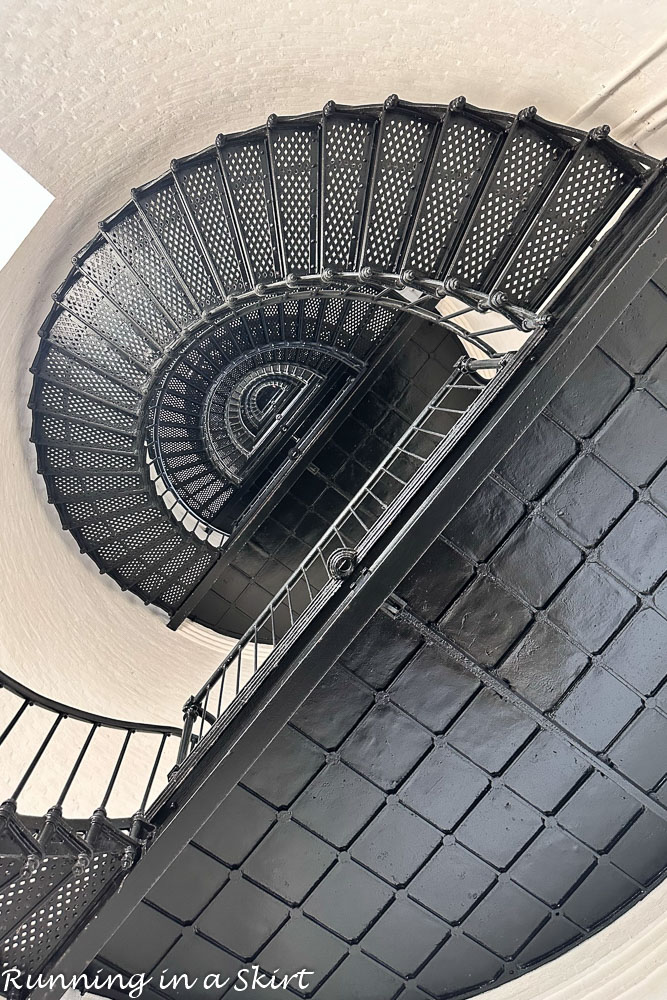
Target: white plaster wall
96,96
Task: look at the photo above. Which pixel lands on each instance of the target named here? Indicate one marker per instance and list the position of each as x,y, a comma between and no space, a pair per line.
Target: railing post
190,713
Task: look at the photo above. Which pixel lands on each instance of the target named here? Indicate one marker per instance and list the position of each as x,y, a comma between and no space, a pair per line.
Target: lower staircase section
56,872
52,882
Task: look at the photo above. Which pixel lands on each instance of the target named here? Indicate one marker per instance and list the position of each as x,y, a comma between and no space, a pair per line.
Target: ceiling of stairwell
96,97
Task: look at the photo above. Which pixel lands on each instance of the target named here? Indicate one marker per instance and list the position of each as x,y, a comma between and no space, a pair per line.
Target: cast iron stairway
310,238
56,871
314,231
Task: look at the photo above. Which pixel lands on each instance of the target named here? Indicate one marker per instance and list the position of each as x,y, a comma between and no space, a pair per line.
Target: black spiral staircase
293,244
209,343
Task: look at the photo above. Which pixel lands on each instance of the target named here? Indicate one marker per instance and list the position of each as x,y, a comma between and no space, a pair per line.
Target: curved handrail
49,704
194,258
83,761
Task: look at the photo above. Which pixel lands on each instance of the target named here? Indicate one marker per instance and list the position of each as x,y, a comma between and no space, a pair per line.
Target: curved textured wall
96,97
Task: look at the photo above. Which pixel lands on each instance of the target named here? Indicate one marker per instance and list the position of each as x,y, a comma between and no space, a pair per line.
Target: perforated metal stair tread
273,247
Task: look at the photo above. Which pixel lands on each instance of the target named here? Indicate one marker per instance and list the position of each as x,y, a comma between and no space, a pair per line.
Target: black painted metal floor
479,783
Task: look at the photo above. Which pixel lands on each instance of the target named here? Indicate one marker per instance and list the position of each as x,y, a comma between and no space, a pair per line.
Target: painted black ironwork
371,512
54,869
250,276
322,229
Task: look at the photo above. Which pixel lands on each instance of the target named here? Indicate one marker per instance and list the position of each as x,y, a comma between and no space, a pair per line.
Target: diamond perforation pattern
247,173
92,306
69,458
70,333
462,148
58,399
296,183
66,487
61,430
152,585
400,161
176,592
137,247
108,271
347,149
522,167
203,192
38,937
69,371
573,209
164,211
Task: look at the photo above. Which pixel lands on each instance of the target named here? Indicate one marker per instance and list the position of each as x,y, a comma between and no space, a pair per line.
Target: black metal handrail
11,684
336,555
52,866
494,208
67,749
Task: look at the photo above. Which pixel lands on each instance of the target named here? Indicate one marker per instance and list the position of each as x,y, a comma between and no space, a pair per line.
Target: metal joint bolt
128,858
190,709
81,865
342,563
31,866
599,133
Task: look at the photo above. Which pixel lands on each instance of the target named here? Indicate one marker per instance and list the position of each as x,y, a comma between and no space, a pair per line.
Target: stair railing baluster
238,668
14,720
77,764
189,716
154,770
37,756
203,711
222,688
255,651
119,760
